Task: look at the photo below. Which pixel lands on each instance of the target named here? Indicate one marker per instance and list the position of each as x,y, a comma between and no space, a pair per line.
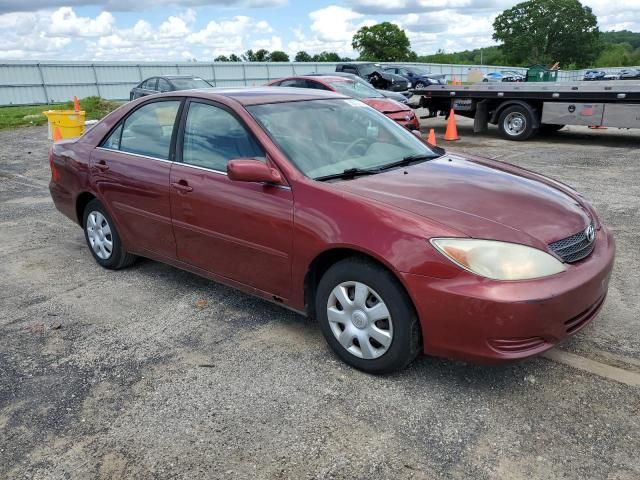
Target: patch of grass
12,117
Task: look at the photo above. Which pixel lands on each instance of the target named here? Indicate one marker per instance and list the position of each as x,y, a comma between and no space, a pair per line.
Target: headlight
498,260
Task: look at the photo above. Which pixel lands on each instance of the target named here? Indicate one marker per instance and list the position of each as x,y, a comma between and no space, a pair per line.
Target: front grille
576,247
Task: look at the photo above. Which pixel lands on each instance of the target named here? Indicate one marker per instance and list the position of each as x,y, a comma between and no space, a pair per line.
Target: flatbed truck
522,110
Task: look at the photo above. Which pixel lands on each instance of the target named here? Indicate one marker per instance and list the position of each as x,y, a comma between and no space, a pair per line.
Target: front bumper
476,319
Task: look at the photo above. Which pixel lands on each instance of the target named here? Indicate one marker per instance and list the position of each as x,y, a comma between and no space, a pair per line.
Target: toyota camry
320,203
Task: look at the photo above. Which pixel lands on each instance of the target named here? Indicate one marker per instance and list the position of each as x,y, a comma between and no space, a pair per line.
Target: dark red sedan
314,201
402,114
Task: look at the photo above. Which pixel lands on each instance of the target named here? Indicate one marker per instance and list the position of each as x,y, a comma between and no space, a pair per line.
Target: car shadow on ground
251,313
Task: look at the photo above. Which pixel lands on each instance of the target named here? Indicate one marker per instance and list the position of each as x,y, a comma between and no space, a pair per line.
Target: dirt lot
128,374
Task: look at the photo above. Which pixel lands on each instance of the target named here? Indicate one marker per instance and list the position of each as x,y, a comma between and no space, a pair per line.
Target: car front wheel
366,317
102,238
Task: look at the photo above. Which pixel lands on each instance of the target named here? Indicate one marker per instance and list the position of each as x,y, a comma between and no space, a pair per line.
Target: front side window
326,137
147,131
213,136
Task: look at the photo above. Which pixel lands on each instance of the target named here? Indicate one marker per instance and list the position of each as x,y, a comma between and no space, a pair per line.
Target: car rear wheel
102,238
516,123
366,317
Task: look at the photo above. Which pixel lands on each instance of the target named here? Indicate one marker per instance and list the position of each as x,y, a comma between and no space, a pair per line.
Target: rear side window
150,84
163,85
293,83
316,85
213,136
349,69
147,131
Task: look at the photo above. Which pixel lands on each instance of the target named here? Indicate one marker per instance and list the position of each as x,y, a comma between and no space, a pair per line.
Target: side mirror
417,133
250,170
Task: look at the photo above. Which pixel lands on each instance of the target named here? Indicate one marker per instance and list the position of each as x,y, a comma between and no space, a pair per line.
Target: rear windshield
189,83
355,89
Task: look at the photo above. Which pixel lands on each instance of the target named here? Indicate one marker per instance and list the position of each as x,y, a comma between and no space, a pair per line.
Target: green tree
249,56
548,31
278,56
303,56
234,58
326,57
261,55
221,58
384,42
615,55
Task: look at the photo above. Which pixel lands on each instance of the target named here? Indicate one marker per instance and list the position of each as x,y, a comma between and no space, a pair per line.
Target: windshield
326,137
354,89
418,71
367,69
189,83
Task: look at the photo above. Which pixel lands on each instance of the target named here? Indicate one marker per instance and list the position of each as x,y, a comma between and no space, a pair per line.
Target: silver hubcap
515,123
360,320
99,234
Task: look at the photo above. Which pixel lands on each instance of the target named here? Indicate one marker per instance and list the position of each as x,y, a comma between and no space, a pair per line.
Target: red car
402,114
314,201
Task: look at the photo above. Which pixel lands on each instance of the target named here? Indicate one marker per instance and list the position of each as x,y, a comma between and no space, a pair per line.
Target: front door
131,170
239,230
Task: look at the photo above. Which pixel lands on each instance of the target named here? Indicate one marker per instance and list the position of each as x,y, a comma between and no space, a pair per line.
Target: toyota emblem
590,232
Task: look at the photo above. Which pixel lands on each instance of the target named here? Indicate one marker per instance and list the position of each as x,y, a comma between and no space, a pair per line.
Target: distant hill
619,49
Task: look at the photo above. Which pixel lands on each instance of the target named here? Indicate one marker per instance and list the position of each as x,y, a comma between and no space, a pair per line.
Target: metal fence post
268,74
44,85
95,77
177,69
213,70
140,72
244,74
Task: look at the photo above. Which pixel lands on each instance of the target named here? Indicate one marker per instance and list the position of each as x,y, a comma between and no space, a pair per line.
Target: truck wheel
516,123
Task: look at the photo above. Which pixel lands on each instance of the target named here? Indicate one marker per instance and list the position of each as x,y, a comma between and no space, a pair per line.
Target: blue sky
177,30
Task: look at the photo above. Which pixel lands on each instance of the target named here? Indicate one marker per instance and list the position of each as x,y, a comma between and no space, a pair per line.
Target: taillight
55,175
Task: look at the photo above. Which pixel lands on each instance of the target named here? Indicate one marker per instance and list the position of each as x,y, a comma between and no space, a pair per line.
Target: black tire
549,128
511,114
420,85
119,257
406,339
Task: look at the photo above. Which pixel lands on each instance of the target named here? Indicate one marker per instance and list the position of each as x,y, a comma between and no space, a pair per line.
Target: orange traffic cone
432,137
76,104
452,131
57,135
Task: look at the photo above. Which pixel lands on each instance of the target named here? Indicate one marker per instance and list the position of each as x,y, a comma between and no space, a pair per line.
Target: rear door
238,230
130,170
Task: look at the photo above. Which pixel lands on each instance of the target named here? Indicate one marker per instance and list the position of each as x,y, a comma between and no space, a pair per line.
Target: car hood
386,105
479,198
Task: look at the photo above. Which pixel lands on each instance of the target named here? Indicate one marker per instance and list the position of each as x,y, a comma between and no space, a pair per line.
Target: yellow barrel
65,123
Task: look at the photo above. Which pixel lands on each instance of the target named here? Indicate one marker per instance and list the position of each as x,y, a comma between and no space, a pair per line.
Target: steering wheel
353,145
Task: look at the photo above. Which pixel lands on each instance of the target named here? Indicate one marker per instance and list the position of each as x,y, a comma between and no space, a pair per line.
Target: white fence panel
25,82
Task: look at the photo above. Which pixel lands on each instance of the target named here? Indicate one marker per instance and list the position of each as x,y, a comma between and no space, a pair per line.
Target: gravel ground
131,374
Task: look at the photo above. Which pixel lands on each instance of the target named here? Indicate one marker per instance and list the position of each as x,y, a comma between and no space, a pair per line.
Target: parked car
311,200
167,83
416,76
591,75
374,74
506,76
629,74
612,76
397,96
399,112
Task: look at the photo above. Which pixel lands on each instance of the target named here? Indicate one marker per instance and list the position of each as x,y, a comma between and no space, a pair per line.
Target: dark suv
374,74
167,83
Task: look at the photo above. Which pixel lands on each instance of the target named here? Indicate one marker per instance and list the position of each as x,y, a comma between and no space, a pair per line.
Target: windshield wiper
408,160
348,173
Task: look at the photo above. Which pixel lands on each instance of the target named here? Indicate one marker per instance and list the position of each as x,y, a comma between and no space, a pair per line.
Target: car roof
177,76
261,95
